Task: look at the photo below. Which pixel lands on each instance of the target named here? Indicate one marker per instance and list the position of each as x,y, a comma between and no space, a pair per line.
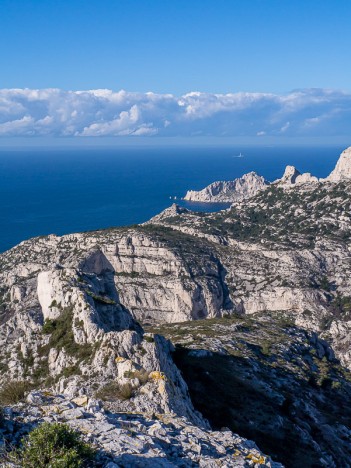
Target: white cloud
102,112
285,127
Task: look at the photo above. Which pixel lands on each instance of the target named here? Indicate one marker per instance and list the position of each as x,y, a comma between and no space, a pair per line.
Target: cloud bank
102,112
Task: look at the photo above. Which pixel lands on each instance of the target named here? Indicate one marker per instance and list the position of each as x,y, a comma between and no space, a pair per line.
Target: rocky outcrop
250,184
342,169
69,306
133,439
286,250
230,191
292,177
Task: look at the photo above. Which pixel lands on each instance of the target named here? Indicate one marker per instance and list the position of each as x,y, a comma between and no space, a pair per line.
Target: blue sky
220,48
176,46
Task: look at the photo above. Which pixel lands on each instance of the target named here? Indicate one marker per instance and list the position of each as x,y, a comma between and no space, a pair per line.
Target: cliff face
233,190
250,184
342,169
285,249
64,326
280,250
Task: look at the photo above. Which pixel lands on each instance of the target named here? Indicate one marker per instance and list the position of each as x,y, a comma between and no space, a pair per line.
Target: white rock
343,167
229,191
292,177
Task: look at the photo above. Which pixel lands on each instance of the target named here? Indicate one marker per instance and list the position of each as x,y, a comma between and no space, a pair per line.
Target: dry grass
142,375
13,391
114,391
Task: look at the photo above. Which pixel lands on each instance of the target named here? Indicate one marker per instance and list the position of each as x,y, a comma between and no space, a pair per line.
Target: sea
64,190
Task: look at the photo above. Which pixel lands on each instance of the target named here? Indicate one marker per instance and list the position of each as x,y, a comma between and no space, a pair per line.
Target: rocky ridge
285,250
342,169
250,184
233,190
64,328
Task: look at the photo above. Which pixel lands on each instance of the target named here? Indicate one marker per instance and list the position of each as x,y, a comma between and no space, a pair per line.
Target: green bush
13,391
149,339
61,336
54,446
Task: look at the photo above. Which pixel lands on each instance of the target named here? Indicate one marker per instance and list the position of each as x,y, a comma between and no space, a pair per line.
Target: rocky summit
189,339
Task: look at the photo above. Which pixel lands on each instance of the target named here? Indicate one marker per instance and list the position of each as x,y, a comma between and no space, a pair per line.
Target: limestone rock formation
70,306
229,191
342,169
285,250
292,177
133,439
250,184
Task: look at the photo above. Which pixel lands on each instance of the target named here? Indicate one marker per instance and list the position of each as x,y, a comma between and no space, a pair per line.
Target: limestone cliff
292,177
233,190
342,169
250,184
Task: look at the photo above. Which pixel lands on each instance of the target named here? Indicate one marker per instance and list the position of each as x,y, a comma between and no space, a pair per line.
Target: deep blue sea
59,191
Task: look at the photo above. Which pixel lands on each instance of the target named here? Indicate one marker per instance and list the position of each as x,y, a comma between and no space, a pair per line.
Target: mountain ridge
251,183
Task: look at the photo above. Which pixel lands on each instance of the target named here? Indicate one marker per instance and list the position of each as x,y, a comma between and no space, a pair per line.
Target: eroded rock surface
70,306
250,184
229,191
342,169
133,439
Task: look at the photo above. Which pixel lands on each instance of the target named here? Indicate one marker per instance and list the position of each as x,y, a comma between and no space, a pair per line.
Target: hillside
257,298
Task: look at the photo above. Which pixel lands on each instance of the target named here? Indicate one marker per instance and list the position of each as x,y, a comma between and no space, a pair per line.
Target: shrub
54,446
48,327
149,339
13,391
62,336
114,391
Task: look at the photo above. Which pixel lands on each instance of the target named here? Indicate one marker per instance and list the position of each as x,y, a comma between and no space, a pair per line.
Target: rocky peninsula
250,184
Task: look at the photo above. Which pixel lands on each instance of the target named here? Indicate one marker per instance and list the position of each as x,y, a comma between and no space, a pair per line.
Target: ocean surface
44,191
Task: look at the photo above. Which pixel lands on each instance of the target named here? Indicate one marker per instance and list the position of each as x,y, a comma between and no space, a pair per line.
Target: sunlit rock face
342,169
235,190
292,177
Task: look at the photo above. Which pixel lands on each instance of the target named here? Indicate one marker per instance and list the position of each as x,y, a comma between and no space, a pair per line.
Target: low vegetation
61,336
54,446
259,373
13,392
113,391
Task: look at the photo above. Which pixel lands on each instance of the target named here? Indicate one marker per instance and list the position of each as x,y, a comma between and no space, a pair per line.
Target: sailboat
238,156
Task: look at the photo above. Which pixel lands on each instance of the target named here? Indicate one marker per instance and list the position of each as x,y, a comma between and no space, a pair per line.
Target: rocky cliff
250,184
342,169
233,190
71,306
292,177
